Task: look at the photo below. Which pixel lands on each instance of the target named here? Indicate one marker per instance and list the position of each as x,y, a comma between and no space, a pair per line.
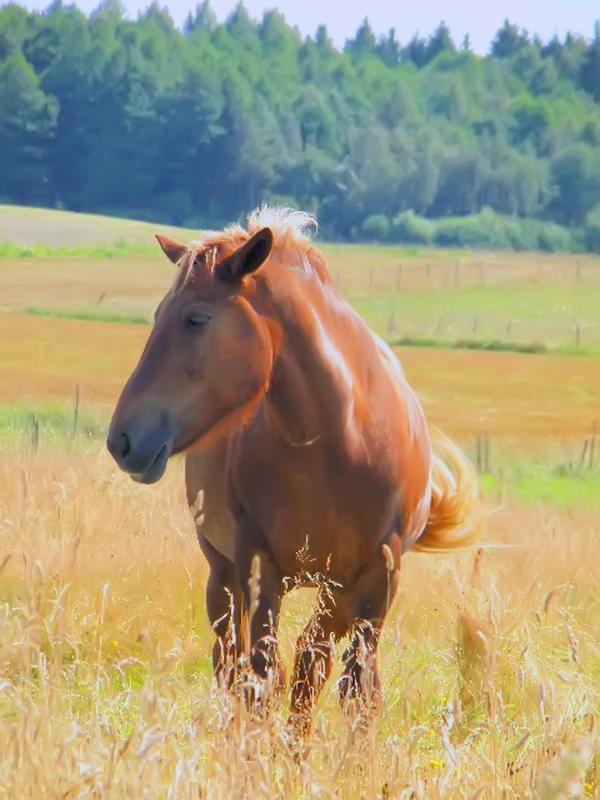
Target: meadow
490,660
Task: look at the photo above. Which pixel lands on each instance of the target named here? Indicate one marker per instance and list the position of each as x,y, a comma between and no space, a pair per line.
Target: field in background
490,666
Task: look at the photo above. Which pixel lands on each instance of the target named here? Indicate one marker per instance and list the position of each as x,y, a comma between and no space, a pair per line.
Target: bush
591,232
408,227
489,230
556,239
467,232
376,227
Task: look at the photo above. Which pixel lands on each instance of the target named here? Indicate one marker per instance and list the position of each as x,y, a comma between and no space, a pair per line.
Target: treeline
193,127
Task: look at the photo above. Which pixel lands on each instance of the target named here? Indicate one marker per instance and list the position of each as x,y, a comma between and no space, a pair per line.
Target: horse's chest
322,517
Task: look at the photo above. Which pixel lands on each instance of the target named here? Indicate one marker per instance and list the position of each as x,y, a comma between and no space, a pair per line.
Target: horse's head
207,360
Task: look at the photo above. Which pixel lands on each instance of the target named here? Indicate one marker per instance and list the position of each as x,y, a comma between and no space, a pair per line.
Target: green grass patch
529,318
90,314
562,487
50,425
472,344
119,249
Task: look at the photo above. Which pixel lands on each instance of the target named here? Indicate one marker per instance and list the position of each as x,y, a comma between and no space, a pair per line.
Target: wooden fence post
34,433
482,457
76,411
398,277
584,453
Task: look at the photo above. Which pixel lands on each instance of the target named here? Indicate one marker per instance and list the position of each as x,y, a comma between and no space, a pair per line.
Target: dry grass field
490,661
490,666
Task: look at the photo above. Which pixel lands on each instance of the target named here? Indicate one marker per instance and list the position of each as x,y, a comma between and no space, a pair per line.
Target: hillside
34,227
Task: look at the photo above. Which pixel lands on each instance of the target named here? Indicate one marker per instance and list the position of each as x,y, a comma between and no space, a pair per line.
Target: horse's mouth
156,469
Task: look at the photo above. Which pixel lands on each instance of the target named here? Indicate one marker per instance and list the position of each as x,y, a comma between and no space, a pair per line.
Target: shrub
408,227
591,232
376,227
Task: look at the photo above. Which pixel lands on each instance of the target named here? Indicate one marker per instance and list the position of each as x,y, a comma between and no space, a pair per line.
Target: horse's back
414,448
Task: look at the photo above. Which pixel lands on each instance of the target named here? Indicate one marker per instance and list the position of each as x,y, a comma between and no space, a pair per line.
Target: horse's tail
455,517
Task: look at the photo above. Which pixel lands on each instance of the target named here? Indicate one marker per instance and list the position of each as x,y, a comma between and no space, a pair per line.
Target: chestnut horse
308,456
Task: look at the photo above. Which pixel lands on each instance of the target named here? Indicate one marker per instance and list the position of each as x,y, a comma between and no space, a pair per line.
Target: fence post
482,457
392,324
76,411
34,433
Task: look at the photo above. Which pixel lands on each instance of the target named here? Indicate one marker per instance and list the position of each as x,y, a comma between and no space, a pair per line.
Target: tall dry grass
490,664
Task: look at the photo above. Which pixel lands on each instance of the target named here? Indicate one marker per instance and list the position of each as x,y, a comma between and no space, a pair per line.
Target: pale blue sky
342,17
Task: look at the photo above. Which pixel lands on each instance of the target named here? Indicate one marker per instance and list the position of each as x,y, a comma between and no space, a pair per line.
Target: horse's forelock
292,241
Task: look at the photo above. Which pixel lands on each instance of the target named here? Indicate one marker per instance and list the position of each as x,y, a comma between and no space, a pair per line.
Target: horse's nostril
124,445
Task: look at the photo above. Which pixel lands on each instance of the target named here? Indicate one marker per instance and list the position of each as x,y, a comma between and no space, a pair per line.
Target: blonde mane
292,241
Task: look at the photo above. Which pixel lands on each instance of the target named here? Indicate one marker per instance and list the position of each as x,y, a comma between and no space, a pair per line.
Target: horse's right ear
248,258
171,249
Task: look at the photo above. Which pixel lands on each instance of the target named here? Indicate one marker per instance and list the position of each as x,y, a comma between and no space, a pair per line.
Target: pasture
490,663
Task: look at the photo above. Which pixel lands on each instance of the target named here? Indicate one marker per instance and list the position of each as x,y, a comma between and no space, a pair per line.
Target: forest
419,142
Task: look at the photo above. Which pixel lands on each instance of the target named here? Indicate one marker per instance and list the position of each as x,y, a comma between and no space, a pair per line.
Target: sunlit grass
490,666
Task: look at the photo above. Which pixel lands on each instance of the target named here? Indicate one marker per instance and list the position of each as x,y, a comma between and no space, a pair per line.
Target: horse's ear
248,258
171,249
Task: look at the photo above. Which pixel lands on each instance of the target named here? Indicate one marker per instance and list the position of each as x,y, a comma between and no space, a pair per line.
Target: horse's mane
292,242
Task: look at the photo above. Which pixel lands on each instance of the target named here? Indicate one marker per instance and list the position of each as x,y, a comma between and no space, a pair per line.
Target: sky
342,17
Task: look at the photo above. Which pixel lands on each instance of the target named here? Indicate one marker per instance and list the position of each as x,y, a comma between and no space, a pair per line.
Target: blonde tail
455,520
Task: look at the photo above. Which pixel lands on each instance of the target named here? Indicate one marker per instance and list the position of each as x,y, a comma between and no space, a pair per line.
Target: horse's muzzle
142,455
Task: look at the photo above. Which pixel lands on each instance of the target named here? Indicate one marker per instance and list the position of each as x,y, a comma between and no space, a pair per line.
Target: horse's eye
194,322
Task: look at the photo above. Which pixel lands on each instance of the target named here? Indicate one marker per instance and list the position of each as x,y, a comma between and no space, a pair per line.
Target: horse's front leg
262,587
224,610
314,652
372,596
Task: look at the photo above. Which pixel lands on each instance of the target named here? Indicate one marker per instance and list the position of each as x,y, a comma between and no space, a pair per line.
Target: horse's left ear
171,249
248,258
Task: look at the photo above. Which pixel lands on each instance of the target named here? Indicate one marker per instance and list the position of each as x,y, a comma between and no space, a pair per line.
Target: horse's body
308,457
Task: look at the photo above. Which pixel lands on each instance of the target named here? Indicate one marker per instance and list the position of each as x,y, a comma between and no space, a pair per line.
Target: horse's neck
311,384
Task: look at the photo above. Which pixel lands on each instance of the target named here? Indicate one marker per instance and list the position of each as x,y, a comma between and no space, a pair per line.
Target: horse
308,457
